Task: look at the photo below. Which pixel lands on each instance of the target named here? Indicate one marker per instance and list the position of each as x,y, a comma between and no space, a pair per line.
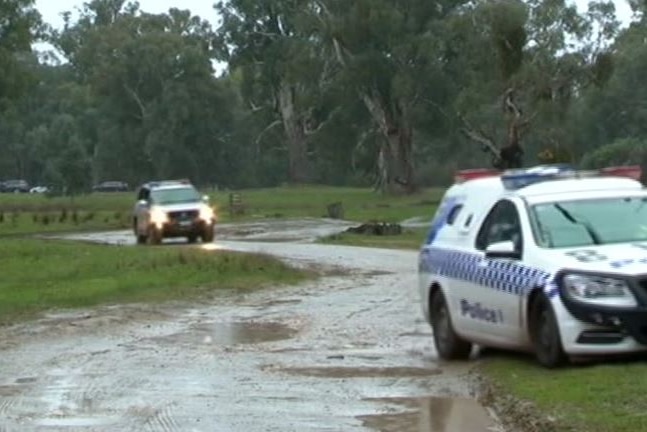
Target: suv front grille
183,215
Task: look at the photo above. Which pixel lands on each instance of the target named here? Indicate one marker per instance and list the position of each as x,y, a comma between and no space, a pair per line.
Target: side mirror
504,249
205,198
142,203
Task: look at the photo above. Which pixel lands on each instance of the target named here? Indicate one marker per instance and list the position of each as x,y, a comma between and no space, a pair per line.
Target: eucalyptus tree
163,112
546,53
272,45
391,55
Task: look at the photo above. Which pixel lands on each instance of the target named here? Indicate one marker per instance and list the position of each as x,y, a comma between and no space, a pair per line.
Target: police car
550,260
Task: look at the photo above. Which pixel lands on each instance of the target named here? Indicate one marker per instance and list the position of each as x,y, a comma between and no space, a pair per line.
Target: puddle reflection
432,414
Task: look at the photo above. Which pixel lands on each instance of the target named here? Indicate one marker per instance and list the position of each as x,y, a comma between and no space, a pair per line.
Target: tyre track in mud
344,354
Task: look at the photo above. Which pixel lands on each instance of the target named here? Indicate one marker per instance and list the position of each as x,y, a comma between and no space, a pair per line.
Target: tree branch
271,126
133,94
323,123
487,143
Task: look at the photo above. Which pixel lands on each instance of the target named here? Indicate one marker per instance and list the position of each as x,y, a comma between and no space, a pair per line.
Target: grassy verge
595,398
26,213
38,275
411,238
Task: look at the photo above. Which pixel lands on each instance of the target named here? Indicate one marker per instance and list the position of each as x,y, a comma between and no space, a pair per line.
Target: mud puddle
230,333
362,372
431,414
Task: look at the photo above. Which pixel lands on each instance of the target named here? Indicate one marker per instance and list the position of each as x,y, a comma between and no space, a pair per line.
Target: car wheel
154,236
192,238
545,334
208,235
141,239
449,345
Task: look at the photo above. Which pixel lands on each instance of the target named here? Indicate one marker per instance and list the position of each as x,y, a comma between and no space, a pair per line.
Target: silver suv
171,209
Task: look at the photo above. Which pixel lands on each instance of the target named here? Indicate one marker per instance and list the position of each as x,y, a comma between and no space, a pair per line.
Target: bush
626,151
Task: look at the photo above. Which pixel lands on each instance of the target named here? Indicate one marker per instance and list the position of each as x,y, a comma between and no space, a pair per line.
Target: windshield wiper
589,229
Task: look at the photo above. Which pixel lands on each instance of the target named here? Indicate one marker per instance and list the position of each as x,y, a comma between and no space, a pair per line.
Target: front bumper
184,228
599,328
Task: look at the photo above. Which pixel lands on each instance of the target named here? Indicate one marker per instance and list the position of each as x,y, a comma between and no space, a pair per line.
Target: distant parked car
111,186
39,190
14,186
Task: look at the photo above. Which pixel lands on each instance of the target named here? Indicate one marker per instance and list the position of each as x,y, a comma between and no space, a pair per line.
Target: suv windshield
175,195
590,222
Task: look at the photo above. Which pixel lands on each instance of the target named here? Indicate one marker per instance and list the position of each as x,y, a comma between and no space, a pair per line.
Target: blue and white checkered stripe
506,276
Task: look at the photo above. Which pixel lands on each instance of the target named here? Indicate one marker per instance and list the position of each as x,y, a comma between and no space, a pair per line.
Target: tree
20,25
546,53
271,44
389,54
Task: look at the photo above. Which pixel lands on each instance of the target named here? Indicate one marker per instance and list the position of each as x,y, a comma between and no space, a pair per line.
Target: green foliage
19,26
627,151
74,275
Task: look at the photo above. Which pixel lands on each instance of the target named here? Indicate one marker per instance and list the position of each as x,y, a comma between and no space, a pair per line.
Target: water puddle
362,372
76,422
232,333
432,414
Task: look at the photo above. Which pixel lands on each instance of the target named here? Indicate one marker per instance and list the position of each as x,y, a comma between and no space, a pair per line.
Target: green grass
24,213
409,239
39,275
594,398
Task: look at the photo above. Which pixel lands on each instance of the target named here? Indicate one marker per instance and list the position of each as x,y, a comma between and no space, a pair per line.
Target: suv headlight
206,213
158,216
599,290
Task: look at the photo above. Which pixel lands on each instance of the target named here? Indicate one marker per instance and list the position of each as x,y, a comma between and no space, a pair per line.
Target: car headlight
599,290
158,216
206,213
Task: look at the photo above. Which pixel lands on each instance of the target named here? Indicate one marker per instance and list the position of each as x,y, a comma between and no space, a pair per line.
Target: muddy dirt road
348,353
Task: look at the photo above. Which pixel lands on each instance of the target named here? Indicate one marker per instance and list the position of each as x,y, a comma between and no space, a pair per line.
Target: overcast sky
51,9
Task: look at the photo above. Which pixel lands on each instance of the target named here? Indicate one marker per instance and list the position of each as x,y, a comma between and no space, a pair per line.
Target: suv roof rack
158,183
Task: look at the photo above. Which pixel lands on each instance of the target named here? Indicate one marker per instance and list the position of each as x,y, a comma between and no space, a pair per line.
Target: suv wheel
545,333
192,238
154,236
449,345
141,239
208,234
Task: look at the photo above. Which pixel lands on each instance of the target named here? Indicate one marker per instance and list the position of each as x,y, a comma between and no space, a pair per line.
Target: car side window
143,194
501,224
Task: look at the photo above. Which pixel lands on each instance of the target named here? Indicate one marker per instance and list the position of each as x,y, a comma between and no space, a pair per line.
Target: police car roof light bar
520,178
631,171
517,179
472,174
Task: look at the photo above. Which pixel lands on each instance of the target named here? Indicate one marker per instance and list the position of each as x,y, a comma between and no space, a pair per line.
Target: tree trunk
396,172
299,170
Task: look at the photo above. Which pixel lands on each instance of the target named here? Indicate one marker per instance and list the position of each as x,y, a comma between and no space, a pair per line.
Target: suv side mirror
142,202
504,249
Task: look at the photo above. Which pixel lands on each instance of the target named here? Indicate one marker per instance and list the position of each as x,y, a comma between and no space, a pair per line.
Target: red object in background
632,171
471,174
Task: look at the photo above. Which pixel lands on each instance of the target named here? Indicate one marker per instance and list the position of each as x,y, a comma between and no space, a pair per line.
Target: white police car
548,259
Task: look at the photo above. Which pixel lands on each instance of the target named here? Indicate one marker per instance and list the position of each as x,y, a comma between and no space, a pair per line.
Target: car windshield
175,195
590,222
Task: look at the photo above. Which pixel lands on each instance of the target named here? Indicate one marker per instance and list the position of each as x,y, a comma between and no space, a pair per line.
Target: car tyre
141,239
208,234
192,238
154,236
449,345
545,334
